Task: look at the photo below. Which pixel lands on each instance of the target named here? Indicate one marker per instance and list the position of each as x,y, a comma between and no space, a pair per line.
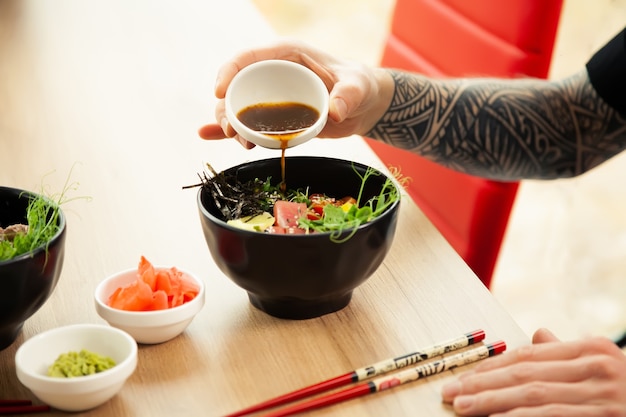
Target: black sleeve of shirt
607,72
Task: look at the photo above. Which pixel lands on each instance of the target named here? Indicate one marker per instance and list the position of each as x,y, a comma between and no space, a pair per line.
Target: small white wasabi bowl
275,82
33,358
147,327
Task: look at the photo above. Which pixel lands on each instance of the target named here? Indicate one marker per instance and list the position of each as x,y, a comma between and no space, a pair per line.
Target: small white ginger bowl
147,327
276,81
79,393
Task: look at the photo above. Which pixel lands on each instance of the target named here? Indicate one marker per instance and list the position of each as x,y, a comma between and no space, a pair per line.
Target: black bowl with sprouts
304,275
27,278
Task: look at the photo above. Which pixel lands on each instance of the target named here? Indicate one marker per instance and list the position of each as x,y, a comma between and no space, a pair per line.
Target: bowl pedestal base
9,334
299,309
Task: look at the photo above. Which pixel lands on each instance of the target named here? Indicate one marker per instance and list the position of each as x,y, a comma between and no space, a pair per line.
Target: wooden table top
111,94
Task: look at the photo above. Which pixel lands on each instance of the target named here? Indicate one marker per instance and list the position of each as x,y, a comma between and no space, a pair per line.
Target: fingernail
463,402
224,125
341,109
451,390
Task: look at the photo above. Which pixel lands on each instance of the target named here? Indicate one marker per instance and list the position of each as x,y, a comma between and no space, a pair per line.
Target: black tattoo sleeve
503,129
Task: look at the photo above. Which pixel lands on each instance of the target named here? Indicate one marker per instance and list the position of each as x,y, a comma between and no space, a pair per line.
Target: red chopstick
370,371
12,407
14,402
398,378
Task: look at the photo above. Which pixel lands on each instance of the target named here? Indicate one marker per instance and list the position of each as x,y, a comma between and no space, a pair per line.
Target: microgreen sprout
42,222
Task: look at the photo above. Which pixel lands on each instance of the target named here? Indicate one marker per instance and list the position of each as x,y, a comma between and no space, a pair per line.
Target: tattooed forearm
503,129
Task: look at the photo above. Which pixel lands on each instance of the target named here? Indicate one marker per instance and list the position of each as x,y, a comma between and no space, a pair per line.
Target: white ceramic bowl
147,327
80,393
276,81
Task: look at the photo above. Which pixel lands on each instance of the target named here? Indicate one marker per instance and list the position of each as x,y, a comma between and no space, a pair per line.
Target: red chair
467,38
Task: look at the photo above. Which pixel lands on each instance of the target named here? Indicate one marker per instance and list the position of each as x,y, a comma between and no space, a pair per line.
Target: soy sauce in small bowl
280,120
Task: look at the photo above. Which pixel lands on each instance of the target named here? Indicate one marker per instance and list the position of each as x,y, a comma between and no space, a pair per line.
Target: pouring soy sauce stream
282,121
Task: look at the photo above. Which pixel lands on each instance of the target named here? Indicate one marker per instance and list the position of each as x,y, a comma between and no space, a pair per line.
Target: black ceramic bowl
26,281
300,276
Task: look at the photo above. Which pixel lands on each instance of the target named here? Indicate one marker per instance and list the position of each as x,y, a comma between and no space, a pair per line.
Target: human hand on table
359,95
550,378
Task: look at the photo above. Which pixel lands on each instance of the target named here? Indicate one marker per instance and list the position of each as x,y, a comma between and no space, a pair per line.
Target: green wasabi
73,364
